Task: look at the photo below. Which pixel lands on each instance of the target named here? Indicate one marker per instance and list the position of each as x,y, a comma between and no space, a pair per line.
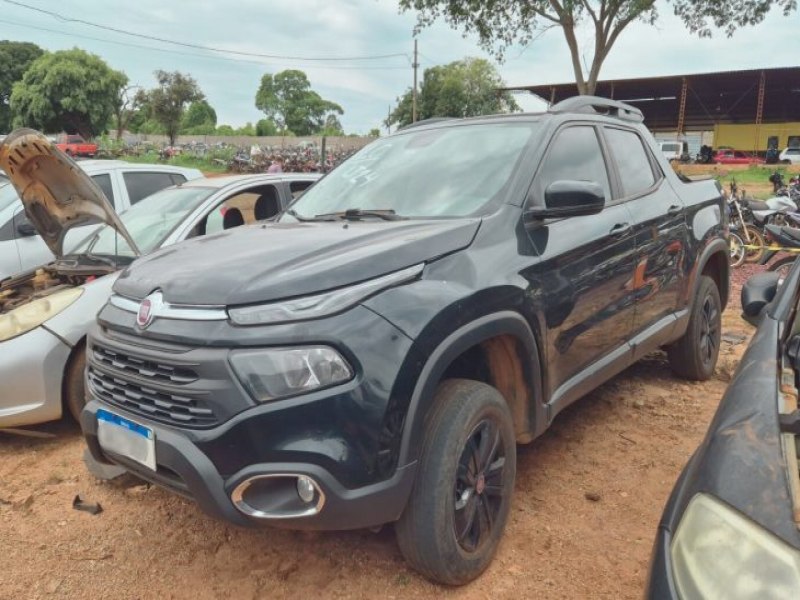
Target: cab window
575,154
633,163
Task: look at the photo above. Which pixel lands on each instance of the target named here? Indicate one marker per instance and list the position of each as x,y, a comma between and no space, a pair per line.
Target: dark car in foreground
731,528
375,354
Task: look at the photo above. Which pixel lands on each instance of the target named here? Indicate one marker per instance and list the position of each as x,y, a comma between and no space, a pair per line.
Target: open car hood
57,194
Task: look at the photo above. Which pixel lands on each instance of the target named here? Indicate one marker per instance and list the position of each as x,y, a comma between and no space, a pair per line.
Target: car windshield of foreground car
444,172
149,222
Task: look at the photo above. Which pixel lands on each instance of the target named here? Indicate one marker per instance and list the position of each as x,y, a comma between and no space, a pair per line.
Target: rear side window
177,178
142,184
574,155
633,164
298,187
104,181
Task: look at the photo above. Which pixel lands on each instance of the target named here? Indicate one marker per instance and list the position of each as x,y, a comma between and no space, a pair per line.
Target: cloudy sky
349,29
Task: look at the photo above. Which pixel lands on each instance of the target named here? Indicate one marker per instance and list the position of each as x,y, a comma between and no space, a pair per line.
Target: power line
196,55
66,19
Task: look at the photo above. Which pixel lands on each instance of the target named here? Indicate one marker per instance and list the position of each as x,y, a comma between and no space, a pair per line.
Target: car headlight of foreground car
320,305
269,374
29,316
719,553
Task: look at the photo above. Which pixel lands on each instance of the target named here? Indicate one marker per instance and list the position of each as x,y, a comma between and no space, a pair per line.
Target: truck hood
57,194
261,263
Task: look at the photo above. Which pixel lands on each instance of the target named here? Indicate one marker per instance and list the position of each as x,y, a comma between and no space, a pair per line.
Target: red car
728,156
75,145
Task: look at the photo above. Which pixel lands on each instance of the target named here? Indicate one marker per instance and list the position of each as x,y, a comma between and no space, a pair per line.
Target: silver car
45,313
124,184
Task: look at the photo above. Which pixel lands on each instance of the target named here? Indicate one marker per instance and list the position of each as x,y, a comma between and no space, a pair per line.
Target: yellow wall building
749,138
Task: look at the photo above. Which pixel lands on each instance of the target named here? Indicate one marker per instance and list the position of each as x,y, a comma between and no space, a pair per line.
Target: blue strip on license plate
104,415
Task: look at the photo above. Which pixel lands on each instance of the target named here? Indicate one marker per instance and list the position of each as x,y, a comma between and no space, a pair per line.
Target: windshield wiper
301,218
356,214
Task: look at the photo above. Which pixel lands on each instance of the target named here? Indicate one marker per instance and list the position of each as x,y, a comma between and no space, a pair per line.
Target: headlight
320,305
281,372
31,315
719,553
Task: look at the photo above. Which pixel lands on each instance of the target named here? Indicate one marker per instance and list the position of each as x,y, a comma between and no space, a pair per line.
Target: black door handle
674,210
620,229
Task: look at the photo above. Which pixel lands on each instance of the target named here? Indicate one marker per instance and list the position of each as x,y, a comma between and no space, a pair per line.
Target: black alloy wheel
478,488
709,331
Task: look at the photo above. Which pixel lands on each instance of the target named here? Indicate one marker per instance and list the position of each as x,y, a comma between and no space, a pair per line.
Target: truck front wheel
452,525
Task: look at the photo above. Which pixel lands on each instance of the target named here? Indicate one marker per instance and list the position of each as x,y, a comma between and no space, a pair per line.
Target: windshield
8,194
451,171
149,222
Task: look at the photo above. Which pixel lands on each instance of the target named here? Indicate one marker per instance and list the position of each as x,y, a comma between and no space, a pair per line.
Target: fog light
305,489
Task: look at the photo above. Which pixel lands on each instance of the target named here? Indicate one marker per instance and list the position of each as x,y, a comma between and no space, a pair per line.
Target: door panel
659,225
661,238
583,285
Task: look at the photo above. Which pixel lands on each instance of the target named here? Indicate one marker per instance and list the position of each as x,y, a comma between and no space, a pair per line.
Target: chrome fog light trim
238,498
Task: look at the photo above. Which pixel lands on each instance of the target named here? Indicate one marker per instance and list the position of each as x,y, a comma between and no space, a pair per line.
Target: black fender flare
714,247
467,336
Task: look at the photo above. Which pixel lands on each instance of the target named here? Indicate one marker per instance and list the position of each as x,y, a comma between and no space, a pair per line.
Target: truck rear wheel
459,506
694,356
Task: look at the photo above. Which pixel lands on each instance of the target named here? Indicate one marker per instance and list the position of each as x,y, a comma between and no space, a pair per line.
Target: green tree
200,117
247,130
169,100
374,132
464,88
266,127
15,58
288,100
225,130
69,90
501,23
127,105
333,127
699,15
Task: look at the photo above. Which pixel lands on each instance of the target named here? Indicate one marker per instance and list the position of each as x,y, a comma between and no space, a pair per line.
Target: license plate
126,438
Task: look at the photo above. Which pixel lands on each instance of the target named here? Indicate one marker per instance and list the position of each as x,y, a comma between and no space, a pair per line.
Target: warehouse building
746,110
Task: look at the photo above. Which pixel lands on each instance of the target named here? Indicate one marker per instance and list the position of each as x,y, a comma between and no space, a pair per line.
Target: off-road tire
464,412
74,391
694,356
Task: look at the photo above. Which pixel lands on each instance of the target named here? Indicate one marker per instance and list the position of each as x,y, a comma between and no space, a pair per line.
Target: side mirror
26,229
757,293
569,199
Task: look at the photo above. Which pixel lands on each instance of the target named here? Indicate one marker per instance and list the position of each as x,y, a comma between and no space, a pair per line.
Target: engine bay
33,285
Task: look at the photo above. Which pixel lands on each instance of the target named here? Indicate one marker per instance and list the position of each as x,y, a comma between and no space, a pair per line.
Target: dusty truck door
582,282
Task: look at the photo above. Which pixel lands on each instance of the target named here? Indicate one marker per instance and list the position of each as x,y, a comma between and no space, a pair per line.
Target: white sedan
45,313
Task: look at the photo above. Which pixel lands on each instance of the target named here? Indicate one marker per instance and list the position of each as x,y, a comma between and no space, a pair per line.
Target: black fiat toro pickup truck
375,354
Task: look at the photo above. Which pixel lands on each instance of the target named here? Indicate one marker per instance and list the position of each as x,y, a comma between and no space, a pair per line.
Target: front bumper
184,468
336,436
31,372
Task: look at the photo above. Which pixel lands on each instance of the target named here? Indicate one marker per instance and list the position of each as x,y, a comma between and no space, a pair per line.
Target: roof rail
424,122
595,105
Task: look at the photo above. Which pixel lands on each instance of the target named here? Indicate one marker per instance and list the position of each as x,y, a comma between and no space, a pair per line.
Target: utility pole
389,121
414,91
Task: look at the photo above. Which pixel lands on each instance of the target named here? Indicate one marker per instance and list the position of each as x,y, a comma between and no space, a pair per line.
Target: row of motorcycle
760,230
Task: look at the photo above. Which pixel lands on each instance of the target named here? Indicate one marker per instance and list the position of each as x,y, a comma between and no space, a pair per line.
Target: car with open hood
45,313
123,184
375,354
731,527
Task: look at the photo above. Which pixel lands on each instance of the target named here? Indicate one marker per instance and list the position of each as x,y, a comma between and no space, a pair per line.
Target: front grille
115,386
143,368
